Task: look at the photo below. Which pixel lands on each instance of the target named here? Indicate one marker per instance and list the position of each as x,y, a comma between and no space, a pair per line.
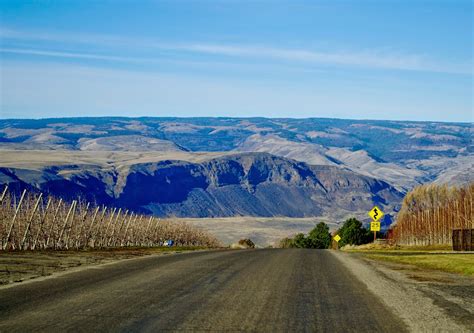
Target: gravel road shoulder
426,300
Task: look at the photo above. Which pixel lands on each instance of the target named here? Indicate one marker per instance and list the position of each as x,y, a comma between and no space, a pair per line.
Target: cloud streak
371,59
59,54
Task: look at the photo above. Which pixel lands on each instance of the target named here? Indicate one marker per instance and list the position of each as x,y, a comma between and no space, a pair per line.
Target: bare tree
429,213
27,223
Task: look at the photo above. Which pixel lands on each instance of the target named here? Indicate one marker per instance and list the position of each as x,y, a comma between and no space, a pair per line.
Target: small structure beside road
463,239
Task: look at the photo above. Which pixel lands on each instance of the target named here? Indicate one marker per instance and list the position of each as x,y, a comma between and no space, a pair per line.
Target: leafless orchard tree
33,221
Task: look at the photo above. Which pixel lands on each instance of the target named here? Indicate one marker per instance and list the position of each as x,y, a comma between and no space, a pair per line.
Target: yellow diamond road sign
374,226
376,213
337,238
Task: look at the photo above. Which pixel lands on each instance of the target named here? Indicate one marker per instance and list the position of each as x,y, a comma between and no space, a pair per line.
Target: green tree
352,232
319,237
300,241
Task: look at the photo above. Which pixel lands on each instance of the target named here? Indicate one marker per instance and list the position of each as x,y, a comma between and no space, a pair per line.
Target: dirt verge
21,266
426,300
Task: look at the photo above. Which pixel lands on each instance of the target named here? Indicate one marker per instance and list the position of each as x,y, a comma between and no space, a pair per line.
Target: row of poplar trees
430,213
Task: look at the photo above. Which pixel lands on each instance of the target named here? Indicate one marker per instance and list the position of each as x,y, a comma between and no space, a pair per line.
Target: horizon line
232,117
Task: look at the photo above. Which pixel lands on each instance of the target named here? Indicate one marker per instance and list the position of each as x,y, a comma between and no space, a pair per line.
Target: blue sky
401,60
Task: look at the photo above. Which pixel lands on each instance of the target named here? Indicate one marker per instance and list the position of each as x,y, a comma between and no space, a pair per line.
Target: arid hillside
404,154
222,167
246,184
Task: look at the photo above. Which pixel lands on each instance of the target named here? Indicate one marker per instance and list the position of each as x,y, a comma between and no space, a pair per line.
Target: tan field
263,231
37,159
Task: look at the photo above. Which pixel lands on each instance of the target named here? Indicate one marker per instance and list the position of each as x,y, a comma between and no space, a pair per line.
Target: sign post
376,214
375,226
337,238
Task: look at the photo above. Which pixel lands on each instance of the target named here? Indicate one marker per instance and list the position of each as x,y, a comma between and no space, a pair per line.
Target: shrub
301,241
247,243
286,243
318,238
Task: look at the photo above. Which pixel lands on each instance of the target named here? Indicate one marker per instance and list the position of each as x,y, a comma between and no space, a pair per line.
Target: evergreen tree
319,237
300,241
353,233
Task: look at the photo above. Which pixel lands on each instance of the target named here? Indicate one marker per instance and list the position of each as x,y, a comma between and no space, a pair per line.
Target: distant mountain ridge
401,153
205,167
246,184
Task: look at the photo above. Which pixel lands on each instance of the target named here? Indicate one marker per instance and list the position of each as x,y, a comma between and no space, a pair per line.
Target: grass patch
427,248
397,248
454,263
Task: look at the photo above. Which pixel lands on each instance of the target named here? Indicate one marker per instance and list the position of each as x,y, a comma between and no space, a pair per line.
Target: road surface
271,290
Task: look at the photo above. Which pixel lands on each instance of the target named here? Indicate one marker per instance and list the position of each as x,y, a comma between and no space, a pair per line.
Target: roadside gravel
427,301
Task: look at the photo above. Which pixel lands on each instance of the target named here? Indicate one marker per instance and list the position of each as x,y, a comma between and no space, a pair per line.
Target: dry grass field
453,262
21,266
424,258
38,159
262,231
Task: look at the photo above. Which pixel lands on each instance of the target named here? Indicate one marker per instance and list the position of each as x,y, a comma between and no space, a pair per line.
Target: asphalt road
272,290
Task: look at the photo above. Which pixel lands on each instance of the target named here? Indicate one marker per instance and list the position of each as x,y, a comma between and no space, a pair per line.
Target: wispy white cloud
364,59
200,65
370,58
65,54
